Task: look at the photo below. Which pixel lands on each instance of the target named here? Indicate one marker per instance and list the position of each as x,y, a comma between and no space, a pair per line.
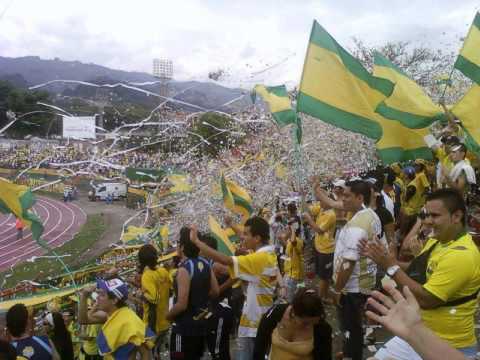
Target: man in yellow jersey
420,175
416,191
293,265
259,270
155,286
324,228
444,277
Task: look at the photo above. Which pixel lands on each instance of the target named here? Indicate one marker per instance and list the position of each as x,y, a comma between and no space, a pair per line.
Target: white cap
339,183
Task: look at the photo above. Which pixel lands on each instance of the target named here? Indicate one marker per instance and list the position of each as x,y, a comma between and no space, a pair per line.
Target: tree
21,102
429,68
213,132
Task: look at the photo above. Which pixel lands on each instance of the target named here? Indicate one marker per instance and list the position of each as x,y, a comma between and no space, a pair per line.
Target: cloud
243,37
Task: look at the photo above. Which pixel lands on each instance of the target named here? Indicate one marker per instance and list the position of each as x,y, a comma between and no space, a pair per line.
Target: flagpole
298,149
442,98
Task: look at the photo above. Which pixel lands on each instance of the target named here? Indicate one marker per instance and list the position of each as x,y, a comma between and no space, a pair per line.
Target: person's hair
190,250
209,240
451,199
450,140
407,223
17,320
359,187
419,167
119,303
307,303
7,351
259,227
147,256
390,178
61,337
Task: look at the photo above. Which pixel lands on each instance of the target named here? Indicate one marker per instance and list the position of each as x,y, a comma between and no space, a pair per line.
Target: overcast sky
246,37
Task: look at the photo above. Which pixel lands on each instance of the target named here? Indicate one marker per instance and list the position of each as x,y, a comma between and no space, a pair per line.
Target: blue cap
409,170
115,286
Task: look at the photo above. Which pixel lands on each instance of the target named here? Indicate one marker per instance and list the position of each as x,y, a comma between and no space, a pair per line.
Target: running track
61,221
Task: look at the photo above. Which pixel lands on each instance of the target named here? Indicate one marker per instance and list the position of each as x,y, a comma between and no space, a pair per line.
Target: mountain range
28,71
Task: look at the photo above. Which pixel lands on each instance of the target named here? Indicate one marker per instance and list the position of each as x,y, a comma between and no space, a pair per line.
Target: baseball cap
115,286
409,170
339,183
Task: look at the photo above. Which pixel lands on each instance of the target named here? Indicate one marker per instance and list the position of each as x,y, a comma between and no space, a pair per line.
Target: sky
253,41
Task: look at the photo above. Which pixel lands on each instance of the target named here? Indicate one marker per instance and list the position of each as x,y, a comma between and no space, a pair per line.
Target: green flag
18,199
278,101
468,61
337,89
408,103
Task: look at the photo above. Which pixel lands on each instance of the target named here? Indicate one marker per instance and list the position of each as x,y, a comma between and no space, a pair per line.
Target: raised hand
398,313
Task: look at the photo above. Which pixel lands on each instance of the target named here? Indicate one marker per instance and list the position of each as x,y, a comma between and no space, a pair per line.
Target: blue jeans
470,352
245,347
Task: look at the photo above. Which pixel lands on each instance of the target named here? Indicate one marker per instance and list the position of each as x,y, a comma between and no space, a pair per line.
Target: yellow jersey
260,271
293,265
156,290
453,272
326,221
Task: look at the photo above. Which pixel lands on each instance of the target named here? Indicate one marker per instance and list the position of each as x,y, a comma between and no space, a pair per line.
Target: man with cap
441,152
462,175
123,333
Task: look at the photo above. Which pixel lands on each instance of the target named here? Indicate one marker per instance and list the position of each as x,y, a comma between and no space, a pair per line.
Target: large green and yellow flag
337,89
408,103
468,61
468,110
278,102
404,116
17,200
399,143
236,198
224,245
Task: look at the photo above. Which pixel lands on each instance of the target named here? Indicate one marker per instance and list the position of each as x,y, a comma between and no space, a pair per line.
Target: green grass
90,232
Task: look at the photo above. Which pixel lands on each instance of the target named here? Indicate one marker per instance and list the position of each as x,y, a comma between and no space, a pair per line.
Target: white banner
79,127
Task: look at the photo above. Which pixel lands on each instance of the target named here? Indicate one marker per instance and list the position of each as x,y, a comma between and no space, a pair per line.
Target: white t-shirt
365,224
389,204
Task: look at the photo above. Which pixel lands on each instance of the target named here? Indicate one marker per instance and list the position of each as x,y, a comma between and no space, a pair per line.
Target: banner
79,127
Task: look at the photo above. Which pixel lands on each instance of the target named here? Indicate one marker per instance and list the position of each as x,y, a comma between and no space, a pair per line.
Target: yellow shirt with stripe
293,265
453,272
259,270
325,220
156,290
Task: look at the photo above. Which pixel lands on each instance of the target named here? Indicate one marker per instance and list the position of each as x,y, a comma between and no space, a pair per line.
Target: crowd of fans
397,244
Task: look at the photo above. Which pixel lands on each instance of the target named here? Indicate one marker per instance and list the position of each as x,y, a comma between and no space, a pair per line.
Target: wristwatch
392,270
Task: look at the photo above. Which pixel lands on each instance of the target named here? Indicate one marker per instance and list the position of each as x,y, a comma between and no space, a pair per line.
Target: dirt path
113,215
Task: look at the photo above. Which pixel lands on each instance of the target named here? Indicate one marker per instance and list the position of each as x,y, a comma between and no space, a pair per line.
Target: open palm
398,313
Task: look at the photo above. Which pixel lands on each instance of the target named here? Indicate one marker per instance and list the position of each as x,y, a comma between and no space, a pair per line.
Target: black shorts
324,265
186,347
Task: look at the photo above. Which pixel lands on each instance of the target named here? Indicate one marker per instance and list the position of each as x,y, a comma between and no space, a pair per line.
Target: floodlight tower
163,70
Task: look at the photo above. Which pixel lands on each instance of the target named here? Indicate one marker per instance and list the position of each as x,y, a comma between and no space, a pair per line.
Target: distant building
163,69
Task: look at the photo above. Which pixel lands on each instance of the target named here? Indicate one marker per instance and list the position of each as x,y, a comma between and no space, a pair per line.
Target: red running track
61,221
